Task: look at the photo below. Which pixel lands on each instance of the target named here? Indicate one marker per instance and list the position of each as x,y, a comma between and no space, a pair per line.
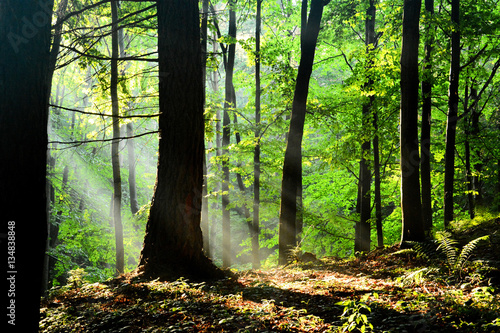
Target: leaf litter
302,297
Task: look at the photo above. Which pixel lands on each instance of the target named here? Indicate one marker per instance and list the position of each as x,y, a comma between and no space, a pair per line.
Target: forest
251,165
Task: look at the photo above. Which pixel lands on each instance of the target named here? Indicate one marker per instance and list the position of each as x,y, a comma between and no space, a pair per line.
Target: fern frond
404,251
425,250
416,277
448,246
467,251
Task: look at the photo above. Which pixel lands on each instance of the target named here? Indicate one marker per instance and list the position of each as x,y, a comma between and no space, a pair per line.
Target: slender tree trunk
292,166
425,136
132,184
362,234
205,228
50,225
411,206
25,28
115,155
376,172
54,52
173,244
468,171
468,177
477,165
451,126
218,149
230,102
256,152
54,230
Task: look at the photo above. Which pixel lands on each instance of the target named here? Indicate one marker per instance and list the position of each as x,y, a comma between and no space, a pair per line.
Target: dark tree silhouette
292,165
411,206
451,125
173,242
24,86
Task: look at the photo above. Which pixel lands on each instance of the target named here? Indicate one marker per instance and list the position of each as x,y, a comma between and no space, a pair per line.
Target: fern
454,260
416,277
447,245
425,250
467,251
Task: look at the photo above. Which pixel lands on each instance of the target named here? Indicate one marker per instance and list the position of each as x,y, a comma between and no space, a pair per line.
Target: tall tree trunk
218,148
115,155
229,102
451,126
54,229
425,136
411,206
468,176
362,231
173,244
24,84
205,228
132,184
292,165
376,172
474,132
54,52
51,164
256,152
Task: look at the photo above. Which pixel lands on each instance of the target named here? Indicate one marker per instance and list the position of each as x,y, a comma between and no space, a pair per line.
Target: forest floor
385,291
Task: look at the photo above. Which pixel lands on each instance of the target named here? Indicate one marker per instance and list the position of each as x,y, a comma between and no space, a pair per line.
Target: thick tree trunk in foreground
411,206
173,242
451,125
24,63
292,165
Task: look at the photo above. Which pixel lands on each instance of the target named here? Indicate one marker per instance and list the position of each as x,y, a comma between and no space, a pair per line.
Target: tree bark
229,102
292,166
205,226
451,125
218,148
376,172
256,152
425,136
24,85
115,154
132,184
362,231
411,207
173,244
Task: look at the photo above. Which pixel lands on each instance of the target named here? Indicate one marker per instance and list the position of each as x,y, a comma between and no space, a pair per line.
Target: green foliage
355,316
332,134
416,278
76,277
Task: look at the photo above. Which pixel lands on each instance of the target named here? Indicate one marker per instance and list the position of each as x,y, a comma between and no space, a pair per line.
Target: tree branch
106,115
79,143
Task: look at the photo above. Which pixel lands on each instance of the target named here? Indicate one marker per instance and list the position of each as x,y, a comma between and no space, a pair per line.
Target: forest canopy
351,135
